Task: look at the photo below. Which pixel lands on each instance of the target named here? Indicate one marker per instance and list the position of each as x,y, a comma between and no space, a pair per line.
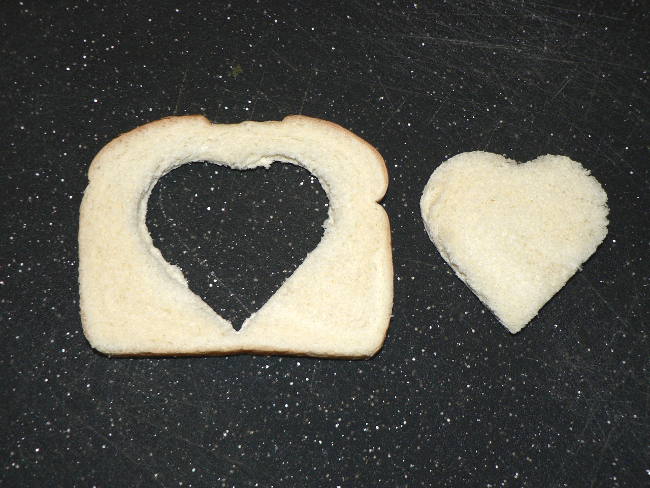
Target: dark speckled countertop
452,399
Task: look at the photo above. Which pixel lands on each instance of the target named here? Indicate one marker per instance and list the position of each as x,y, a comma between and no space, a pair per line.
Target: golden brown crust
239,352
380,159
381,163
136,132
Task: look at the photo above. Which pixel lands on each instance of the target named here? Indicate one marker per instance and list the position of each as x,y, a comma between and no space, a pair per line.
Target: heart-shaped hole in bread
236,235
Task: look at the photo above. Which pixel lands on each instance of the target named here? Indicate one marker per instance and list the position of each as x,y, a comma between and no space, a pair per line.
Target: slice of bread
514,233
336,304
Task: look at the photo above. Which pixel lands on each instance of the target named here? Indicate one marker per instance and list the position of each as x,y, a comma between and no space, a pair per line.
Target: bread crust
120,179
381,166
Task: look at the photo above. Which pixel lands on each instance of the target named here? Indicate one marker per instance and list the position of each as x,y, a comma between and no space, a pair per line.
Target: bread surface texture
337,303
514,233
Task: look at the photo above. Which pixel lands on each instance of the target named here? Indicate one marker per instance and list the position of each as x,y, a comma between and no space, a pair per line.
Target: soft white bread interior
336,304
514,233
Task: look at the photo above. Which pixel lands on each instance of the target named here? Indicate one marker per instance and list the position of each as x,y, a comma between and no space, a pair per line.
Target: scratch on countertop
617,315
284,60
202,262
256,94
392,114
307,88
606,444
559,90
181,88
121,452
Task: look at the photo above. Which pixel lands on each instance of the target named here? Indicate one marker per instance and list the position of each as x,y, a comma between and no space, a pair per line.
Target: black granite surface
452,399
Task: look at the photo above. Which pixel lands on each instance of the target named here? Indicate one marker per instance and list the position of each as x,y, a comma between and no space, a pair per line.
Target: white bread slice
514,233
336,304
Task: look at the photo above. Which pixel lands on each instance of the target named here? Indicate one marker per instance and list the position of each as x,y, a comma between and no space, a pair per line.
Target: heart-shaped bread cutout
336,304
514,233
